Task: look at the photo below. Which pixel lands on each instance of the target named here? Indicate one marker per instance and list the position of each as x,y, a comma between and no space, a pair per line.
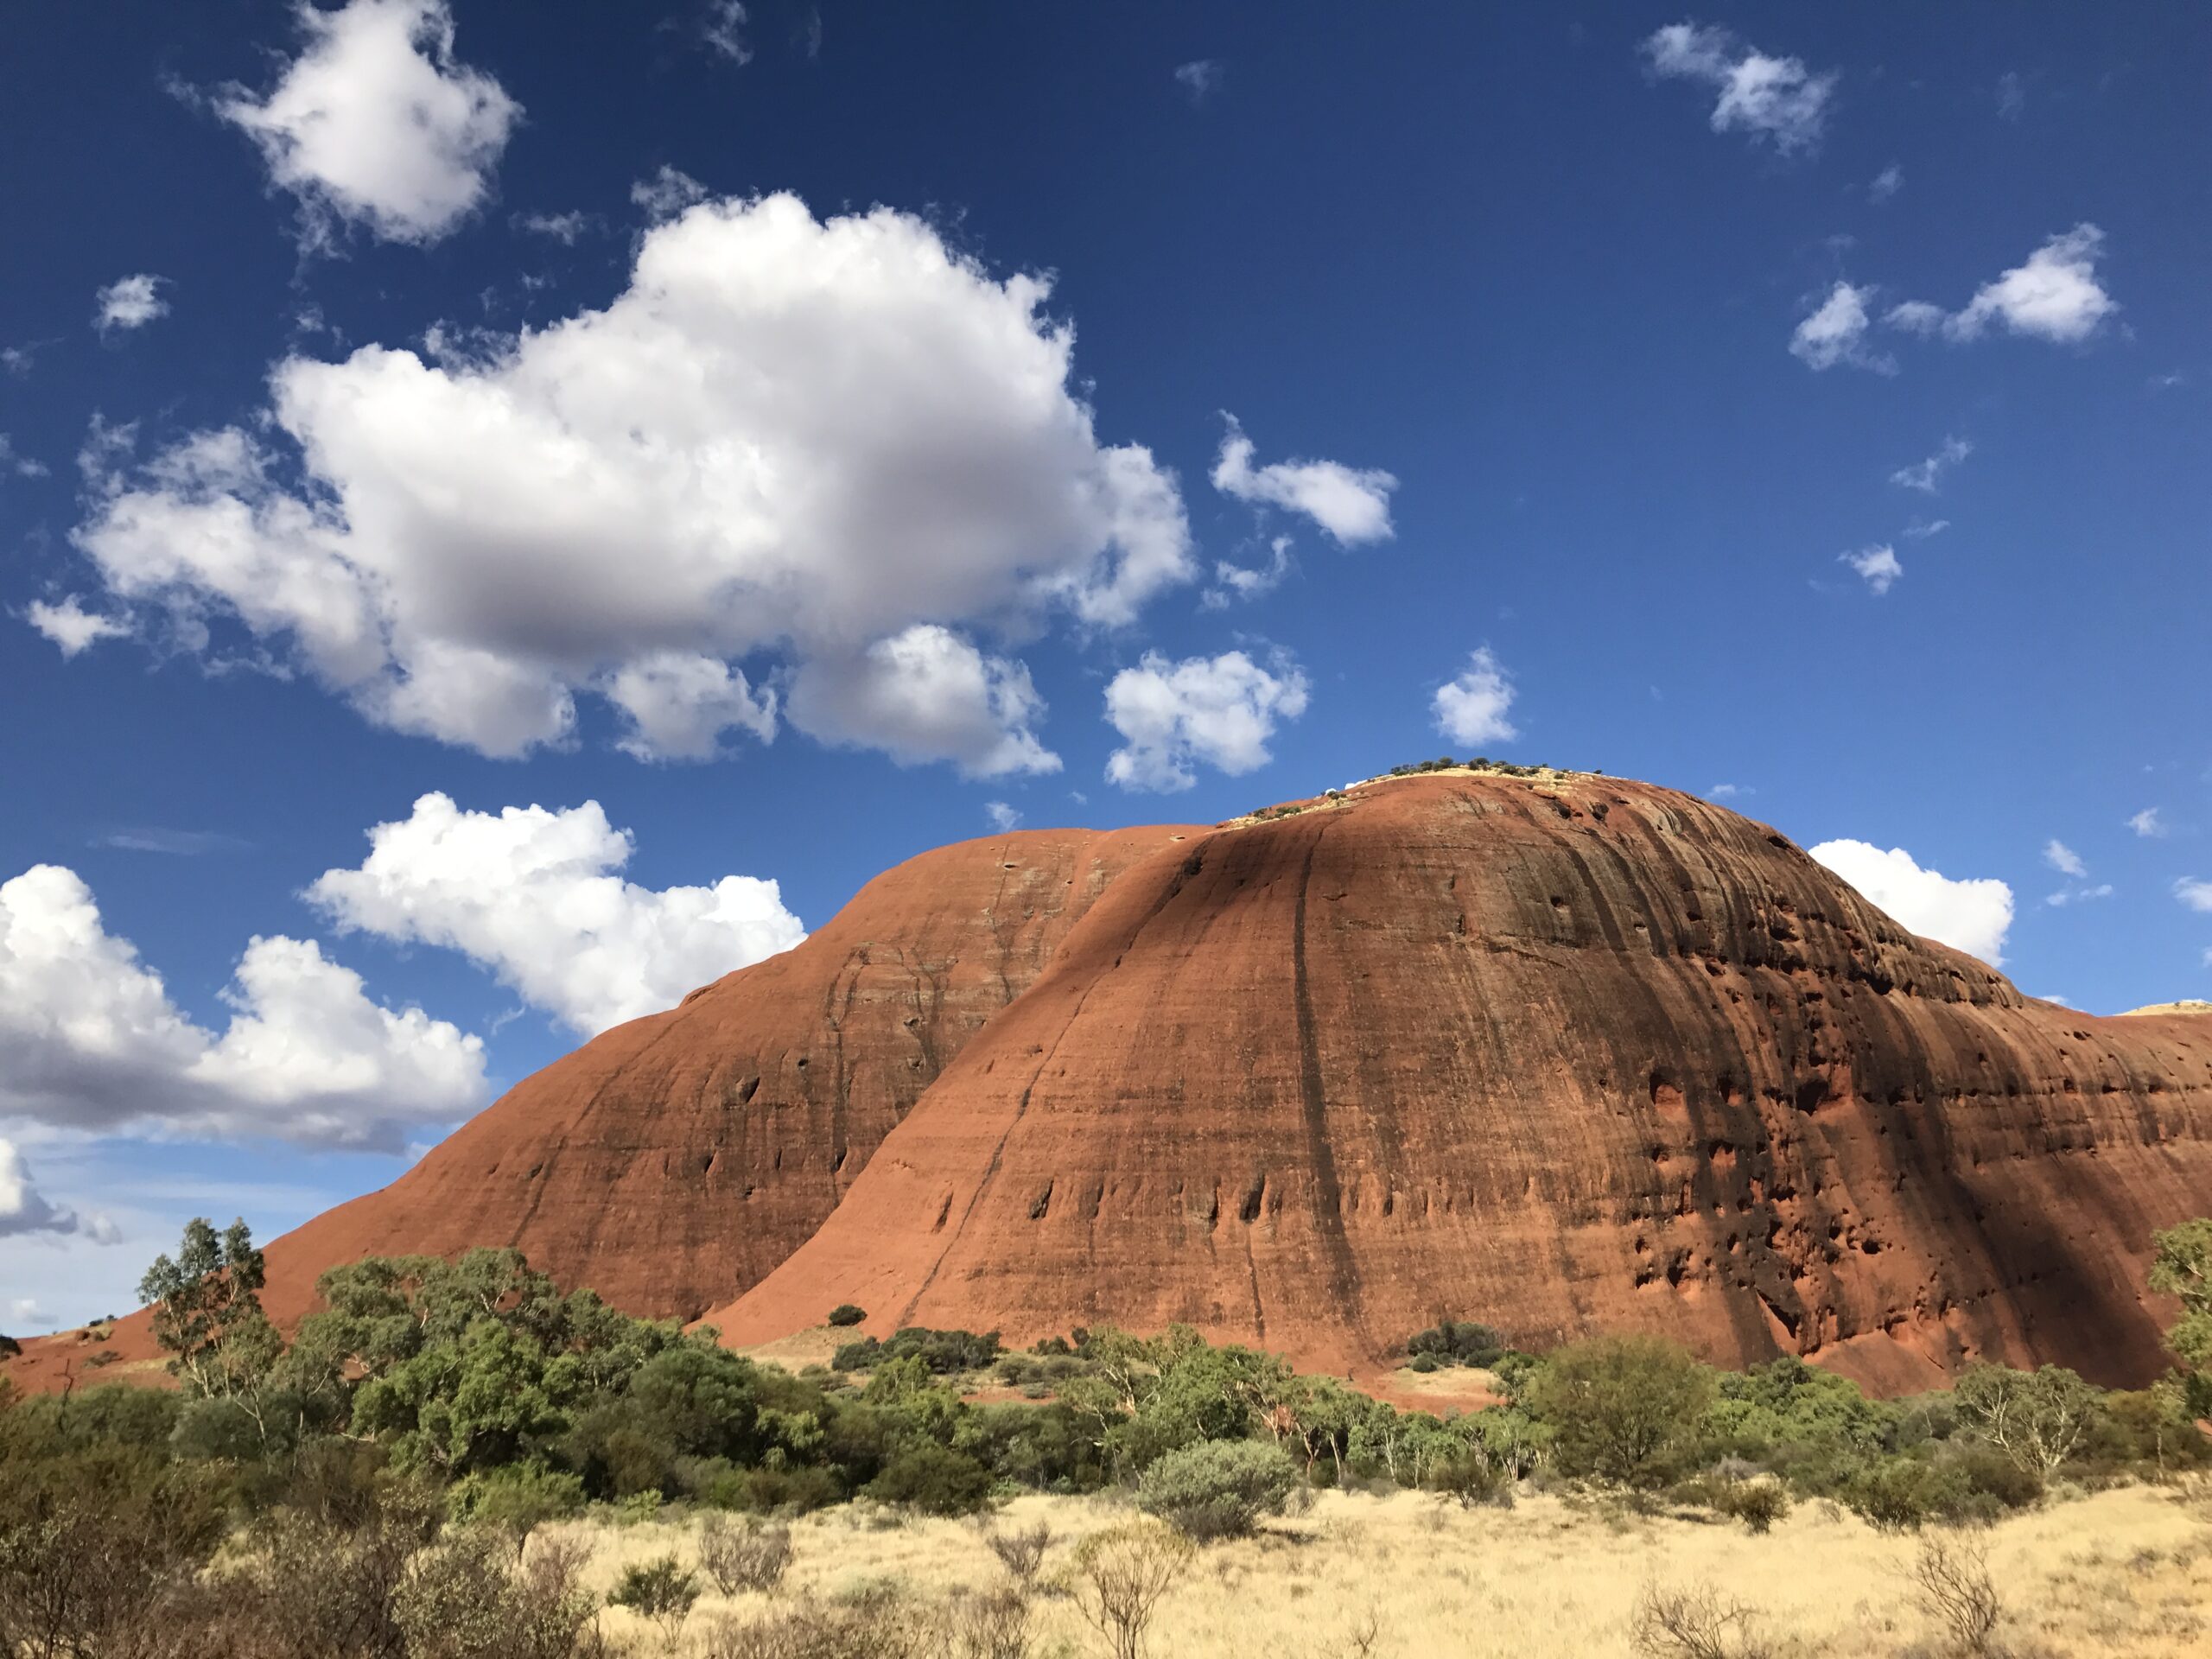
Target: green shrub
1623,1409
1457,1342
1758,1503
517,1499
845,1313
662,1589
935,1479
751,1557
1900,1494
768,1492
1425,1363
943,1352
1218,1489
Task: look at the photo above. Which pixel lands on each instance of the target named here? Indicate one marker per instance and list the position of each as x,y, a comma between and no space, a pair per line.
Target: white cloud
1878,565
2148,824
668,192
25,1312
71,627
24,1209
723,28
532,895
1921,529
1218,710
1198,78
1235,581
1926,474
376,124
2054,295
2080,895
1835,333
1773,98
1474,708
1730,791
2011,95
563,228
1972,916
923,695
836,442
2196,895
1002,817
130,302
1886,184
679,705
90,1039
1352,504
22,465
2063,859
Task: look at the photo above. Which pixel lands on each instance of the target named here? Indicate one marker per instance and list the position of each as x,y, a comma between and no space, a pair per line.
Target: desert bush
1698,1623
1732,1492
989,1624
661,1590
1119,1576
878,1624
516,1500
92,1542
1457,1342
1956,1591
935,1479
1021,1553
1218,1489
943,1352
1623,1409
750,1557
463,1600
1898,1494
1472,1481
845,1313
2036,1418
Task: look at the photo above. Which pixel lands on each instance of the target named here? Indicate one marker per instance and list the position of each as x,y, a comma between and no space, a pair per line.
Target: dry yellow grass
2122,1574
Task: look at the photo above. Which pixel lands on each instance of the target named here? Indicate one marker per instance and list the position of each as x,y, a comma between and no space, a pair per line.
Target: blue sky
636,456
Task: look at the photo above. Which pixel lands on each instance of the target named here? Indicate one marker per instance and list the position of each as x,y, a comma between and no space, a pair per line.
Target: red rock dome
1566,1055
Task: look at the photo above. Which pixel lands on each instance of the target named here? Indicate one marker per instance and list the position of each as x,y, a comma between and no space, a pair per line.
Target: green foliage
933,1478
1219,1488
846,1313
2038,1419
1456,1342
2181,1266
207,1312
662,1589
517,1499
1622,1409
1788,1405
943,1352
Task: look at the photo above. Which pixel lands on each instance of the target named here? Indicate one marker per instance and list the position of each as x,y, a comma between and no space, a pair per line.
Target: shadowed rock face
1566,1056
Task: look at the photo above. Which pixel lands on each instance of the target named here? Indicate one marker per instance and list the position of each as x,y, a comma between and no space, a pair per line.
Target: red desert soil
1565,1054
1569,1055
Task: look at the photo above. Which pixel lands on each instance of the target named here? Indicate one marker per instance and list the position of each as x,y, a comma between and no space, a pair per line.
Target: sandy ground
2122,1572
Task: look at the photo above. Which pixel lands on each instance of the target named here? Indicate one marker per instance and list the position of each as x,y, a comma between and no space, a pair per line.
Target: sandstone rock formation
1564,1055
671,1161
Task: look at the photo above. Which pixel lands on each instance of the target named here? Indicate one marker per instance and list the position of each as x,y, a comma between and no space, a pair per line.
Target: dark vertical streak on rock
1328,1194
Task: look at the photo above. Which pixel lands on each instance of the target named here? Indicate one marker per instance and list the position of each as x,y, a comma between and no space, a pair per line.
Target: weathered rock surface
671,1161
1564,1053
1568,1055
